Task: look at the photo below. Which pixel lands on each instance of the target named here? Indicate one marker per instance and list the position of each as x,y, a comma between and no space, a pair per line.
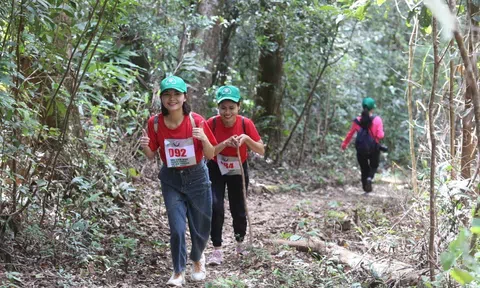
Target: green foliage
71,112
336,215
76,88
292,278
231,282
357,50
458,262
125,248
475,226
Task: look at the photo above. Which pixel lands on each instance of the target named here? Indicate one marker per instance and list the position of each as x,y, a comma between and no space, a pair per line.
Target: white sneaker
240,249
177,282
202,274
215,258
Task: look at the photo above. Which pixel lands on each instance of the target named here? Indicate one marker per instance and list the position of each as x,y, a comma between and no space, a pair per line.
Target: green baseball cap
228,93
368,103
173,82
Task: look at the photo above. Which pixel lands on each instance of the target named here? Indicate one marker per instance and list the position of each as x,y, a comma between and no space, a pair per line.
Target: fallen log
388,270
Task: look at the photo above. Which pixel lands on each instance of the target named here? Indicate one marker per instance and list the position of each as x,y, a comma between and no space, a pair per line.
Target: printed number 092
177,152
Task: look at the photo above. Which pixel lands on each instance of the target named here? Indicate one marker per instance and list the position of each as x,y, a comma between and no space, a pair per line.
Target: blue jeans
187,195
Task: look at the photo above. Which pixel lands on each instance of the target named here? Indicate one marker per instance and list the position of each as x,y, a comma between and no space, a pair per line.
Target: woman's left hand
242,139
199,134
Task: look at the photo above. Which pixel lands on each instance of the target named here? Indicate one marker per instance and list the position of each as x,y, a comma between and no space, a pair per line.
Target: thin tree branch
67,70
76,83
181,48
345,51
445,51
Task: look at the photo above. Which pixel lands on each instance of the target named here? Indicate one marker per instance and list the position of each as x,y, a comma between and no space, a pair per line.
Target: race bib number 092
175,152
180,152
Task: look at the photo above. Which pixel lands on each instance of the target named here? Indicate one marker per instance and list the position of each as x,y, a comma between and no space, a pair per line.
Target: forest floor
282,206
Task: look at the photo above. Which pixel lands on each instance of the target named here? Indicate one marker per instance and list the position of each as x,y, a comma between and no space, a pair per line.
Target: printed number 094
228,165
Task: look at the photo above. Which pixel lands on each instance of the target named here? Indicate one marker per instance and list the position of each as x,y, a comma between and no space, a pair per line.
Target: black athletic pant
368,164
235,199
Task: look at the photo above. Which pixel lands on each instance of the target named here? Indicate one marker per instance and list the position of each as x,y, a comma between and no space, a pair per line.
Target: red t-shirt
222,133
183,131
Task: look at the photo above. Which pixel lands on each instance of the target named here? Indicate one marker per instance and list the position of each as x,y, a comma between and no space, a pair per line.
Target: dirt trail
344,215
280,208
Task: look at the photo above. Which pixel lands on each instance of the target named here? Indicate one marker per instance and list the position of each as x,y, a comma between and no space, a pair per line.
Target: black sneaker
368,186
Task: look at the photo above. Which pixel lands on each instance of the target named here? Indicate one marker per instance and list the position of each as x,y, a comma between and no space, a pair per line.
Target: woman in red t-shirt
231,131
182,139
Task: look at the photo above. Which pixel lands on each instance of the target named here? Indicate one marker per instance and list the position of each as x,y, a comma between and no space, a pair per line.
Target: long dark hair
365,119
185,107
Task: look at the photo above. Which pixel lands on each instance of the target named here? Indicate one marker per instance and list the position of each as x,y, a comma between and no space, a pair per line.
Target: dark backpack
365,143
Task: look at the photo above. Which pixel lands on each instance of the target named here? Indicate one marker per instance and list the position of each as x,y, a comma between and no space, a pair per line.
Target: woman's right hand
144,140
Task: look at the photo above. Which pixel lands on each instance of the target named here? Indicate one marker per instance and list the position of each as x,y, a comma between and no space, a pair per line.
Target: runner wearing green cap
369,129
182,139
231,131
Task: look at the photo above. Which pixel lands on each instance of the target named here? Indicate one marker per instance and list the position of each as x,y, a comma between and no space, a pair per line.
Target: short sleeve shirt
183,131
222,133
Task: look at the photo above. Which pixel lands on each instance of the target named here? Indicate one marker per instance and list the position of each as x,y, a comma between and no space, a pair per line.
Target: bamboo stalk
411,51
5,38
452,119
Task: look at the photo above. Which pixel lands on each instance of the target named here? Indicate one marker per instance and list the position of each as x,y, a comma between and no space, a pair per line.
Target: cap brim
236,100
173,88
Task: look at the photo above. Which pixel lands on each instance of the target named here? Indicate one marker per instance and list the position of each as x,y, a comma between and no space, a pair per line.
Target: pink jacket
376,130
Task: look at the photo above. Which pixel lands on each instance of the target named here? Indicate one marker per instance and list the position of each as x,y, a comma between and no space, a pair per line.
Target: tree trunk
468,143
269,96
468,147
474,26
471,82
328,120
208,50
391,271
319,121
431,246
304,136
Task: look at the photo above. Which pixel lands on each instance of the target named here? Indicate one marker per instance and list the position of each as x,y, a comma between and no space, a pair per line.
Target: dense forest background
79,79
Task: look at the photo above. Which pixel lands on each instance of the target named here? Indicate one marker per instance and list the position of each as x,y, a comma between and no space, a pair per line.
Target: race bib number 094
228,165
